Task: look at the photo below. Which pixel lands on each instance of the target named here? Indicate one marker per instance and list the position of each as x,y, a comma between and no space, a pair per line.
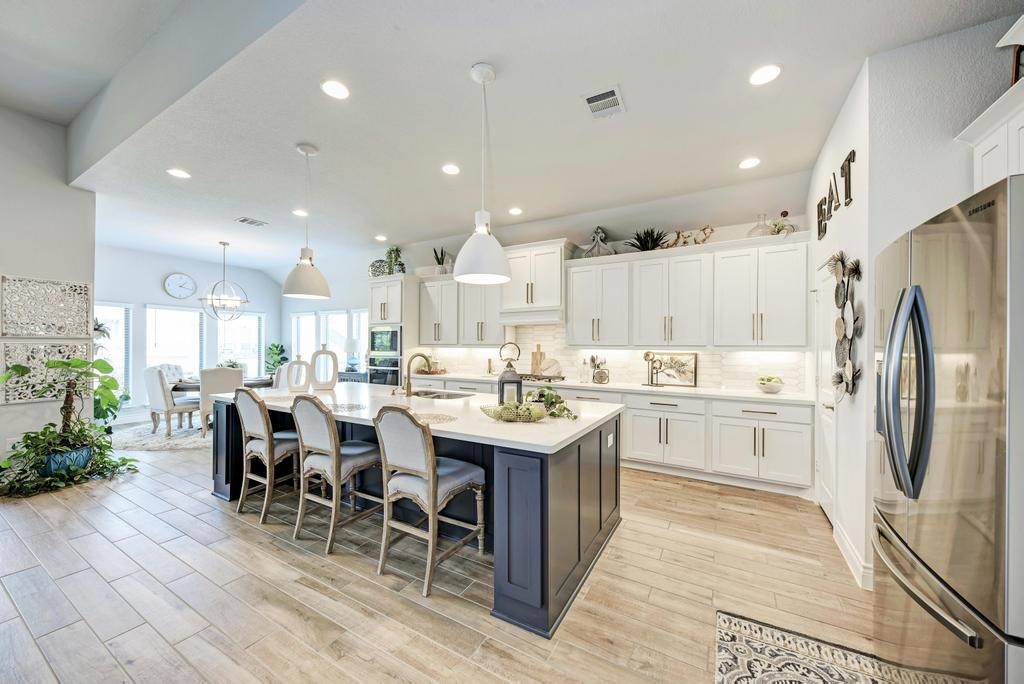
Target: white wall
47,229
847,231
125,276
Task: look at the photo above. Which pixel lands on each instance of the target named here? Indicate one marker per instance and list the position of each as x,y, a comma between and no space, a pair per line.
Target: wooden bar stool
336,464
260,441
411,470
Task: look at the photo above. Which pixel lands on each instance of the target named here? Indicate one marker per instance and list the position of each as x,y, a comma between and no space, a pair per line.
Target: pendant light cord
309,191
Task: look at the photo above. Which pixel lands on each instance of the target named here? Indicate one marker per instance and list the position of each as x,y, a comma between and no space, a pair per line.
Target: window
175,336
340,328
361,332
116,346
334,330
304,335
241,340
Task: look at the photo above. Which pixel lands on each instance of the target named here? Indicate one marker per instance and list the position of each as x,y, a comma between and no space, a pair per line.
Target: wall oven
385,340
384,370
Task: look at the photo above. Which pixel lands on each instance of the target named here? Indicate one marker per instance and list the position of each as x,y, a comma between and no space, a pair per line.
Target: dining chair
411,470
259,441
162,401
279,381
215,381
322,454
173,373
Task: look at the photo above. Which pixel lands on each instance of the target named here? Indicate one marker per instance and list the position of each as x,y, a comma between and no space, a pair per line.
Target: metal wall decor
30,307
830,202
849,324
34,356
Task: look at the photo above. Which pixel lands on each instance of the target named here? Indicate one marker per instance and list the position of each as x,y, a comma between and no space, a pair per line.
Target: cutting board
536,361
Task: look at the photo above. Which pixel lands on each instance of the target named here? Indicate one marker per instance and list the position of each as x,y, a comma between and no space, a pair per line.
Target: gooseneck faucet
407,385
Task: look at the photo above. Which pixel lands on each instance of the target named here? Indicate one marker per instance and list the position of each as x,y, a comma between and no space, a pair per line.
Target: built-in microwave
385,340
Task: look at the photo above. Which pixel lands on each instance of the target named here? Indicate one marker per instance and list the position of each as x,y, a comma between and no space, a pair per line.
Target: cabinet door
514,292
583,312
613,305
734,444
650,302
736,298
1015,144
689,296
991,161
785,450
471,312
546,292
491,331
782,295
646,441
393,303
684,440
430,307
378,300
448,313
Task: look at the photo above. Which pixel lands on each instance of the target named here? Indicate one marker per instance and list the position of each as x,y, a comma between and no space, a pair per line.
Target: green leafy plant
74,382
553,402
229,363
275,358
393,257
439,256
647,239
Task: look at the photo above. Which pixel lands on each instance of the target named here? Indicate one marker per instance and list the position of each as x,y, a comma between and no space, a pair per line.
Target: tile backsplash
715,368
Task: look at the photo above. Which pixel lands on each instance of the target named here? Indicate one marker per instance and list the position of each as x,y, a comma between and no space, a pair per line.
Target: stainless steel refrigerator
948,525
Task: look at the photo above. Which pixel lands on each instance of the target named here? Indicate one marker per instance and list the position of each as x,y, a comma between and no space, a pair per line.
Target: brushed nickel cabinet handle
762,327
527,293
593,335
753,326
662,403
762,443
582,398
666,432
754,431
598,329
664,328
671,335
659,431
763,413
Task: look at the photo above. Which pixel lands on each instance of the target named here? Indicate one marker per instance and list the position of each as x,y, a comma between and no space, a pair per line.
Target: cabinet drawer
668,404
427,383
587,395
759,411
470,386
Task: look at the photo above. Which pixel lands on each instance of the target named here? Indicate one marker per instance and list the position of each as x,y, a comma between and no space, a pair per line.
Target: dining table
192,384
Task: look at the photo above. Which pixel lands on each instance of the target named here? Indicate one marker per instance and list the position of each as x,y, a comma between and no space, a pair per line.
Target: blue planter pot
56,463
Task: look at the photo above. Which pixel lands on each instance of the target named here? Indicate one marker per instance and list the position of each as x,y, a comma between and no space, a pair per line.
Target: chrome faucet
407,385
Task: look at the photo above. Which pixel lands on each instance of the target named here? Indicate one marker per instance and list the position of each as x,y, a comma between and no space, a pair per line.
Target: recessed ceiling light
765,74
515,211
336,89
749,163
451,169
179,173
381,238
300,212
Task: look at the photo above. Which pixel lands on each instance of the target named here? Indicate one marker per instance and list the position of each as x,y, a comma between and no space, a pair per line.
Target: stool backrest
215,381
252,412
318,431
406,444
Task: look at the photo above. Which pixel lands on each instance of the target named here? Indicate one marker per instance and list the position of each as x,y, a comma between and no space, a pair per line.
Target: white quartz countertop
546,436
753,394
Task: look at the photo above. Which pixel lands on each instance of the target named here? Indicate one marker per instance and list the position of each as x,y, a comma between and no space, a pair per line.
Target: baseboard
860,569
802,492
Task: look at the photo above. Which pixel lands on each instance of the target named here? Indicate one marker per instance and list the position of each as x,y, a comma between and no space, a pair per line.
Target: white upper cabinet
991,159
761,296
439,312
671,301
997,137
650,302
534,293
478,315
386,301
598,305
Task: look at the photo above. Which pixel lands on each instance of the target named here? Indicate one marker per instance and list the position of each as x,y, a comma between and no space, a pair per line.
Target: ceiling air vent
605,103
256,223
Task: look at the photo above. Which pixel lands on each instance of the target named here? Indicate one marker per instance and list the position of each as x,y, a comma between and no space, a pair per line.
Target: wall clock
179,285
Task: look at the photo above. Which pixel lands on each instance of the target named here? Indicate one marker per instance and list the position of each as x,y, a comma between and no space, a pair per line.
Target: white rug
141,438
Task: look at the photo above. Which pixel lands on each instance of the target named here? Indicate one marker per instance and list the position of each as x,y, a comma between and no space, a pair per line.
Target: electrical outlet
611,440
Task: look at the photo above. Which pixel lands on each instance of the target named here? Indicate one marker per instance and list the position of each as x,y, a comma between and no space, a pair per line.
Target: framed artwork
44,308
34,355
679,370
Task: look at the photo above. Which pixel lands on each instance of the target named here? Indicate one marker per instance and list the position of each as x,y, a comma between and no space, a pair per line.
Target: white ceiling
55,55
682,67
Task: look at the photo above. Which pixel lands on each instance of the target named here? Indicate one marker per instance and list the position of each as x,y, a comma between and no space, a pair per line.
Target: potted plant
78,449
393,258
647,240
440,261
275,358
229,363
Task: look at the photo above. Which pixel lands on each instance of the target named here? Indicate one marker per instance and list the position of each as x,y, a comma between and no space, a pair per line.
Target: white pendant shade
305,281
482,261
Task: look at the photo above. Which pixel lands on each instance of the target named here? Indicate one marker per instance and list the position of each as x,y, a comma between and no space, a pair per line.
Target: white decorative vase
323,369
297,373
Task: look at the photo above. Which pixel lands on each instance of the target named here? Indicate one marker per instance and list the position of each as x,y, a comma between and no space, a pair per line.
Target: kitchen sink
438,394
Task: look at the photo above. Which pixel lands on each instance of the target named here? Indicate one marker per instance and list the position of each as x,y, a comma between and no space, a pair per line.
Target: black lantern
510,384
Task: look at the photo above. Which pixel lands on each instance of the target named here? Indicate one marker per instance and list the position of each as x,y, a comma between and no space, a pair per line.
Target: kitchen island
552,497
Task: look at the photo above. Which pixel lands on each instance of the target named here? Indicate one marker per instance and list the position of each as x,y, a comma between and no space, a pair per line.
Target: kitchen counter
552,487
784,397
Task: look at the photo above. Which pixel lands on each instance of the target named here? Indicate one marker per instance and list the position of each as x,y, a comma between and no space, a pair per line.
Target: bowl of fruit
514,412
769,384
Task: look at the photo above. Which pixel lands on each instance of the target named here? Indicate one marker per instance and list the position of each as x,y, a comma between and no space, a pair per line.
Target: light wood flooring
150,578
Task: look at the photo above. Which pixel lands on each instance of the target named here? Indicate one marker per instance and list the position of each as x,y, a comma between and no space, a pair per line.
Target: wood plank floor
148,577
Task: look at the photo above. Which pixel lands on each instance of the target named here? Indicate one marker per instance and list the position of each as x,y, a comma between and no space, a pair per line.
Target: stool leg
335,510
352,493
295,471
428,579
155,418
269,495
246,467
480,521
303,488
385,538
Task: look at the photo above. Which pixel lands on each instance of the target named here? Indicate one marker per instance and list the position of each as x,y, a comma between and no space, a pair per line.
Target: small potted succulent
769,384
647,240
442,261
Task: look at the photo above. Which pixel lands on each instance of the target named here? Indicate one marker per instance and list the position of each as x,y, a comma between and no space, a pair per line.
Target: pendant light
225,300
305,281
482,259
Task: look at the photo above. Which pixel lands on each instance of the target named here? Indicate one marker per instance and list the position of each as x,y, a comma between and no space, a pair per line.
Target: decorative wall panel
35,356
44,308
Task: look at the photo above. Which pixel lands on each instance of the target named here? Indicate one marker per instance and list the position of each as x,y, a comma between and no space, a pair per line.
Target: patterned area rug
141,438
747,651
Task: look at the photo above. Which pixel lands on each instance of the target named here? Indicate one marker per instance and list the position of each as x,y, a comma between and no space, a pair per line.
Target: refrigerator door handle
889,391
962,631
924,417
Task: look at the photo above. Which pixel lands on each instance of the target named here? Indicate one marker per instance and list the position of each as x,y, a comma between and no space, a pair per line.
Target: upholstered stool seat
452,475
